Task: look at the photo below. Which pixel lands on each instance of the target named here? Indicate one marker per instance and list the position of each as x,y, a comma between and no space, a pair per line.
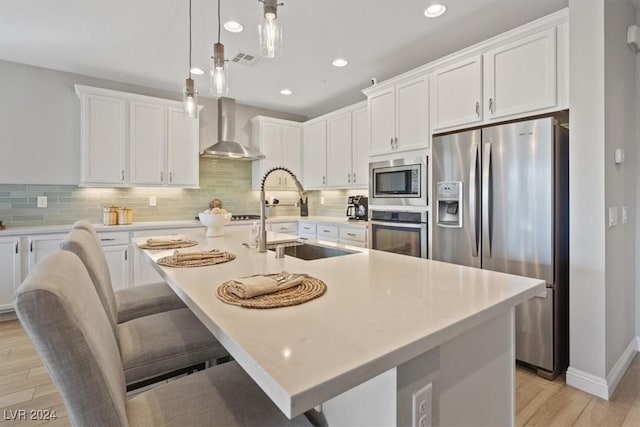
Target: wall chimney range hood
227,147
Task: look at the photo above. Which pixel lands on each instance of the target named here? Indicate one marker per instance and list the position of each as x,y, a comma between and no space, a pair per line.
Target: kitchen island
388,326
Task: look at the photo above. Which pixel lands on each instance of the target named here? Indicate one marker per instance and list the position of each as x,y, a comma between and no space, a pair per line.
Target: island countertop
380,310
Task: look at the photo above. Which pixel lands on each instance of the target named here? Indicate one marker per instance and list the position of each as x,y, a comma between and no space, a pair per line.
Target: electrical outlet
153,201
322,200
42,201
625,215
423,407
613,216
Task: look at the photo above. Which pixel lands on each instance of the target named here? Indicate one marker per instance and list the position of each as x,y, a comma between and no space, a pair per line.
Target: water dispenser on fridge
449,202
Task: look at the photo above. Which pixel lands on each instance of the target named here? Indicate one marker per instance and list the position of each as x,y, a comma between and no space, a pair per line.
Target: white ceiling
145,42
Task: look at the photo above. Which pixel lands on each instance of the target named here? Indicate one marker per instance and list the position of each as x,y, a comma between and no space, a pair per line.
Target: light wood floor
25,384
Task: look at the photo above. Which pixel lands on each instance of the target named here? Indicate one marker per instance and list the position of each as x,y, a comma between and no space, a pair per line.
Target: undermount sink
308,251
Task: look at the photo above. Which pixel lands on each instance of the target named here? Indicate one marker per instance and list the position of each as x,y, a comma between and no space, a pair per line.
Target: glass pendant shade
190,100
219,85
270,32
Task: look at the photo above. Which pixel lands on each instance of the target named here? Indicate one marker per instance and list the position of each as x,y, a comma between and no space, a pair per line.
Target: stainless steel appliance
357,208
501,203
399,232
398,182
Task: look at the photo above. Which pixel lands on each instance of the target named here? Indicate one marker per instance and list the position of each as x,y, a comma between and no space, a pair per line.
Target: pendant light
219,69
190,94
270,31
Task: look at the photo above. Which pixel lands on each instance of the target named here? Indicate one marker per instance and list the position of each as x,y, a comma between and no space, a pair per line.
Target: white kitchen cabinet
339,166
130,140
360,148
290,227
10,271
399,116
148,143
307,229
281,143
456,94
330,233
354,236
116,250
520,77
41,245
103,132
315,155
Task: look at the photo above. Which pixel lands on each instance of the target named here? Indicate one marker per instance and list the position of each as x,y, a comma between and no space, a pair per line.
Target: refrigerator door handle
486,201
473,200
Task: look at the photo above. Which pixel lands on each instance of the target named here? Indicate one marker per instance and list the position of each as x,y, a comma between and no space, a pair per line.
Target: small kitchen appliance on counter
357,208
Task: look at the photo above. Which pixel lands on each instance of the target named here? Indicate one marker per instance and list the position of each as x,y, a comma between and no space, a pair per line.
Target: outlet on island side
422,407
153,201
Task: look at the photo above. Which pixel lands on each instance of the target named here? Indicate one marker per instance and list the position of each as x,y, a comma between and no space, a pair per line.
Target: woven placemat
172,261
309,289
177,245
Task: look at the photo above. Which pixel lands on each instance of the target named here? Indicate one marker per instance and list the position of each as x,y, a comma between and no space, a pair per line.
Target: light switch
625,215
42,201
613,216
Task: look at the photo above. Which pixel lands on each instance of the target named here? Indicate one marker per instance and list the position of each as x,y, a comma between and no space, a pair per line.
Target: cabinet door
291,152
339,151
271,147
43,245
360,148
412,115
315,155
382,122
103,140
183,145
456,94
520,77
148,143
118,261
10,271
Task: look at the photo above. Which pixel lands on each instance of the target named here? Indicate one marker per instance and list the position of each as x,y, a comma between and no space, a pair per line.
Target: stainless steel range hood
227,147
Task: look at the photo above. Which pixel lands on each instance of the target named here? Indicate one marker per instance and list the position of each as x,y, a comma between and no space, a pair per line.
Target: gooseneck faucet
262,245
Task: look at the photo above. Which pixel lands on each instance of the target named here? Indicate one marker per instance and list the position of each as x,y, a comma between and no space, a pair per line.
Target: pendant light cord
218,21
189,38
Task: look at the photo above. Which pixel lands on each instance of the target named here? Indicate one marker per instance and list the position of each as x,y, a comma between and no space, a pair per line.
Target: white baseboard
602,387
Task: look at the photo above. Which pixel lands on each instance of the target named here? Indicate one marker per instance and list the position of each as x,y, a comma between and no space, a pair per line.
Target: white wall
603,108
620,132
637,217
40,122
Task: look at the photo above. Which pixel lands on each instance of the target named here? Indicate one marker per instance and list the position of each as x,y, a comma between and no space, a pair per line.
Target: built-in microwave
400,182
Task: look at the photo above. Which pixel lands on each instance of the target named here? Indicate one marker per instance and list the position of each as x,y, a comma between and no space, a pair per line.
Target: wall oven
399,232
400,182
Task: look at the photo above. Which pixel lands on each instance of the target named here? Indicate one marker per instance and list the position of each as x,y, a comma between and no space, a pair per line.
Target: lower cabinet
354,236
42,245
284,227
307,230
116,250
10,271
330,233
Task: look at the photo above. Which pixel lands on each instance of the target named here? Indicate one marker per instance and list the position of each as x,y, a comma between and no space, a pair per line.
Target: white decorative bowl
215,223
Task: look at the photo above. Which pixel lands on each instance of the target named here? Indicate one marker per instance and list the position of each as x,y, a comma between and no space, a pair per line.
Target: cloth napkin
247,287
196,255
163,242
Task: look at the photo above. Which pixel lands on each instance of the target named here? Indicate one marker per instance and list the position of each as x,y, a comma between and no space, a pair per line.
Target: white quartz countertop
380,310
158,225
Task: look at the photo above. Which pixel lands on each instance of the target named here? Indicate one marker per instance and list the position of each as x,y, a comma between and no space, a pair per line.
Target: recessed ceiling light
435,10
197,71
339,62
286,92
233,26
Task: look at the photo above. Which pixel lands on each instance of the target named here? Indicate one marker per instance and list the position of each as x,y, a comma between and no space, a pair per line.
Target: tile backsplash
229,181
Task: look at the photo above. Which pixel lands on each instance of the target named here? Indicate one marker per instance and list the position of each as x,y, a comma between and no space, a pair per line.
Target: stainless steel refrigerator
501,203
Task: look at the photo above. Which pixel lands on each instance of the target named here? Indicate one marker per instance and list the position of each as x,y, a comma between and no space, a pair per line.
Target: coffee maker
358,208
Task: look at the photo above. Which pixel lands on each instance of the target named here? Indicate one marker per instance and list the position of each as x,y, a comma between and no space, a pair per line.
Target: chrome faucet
262,245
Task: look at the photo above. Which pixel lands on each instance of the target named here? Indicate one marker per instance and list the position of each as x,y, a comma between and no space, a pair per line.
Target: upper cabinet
336,149
280,141
399,116
456,93
156,146
518,74
520,77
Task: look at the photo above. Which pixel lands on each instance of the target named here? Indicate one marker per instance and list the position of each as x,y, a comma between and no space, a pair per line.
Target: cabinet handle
126,254
477,109
17,247
491,108
391,143
122,175
31,246
354,177
107,239
161,176
348,178
324,179
170,176
351,234
396,142
325,231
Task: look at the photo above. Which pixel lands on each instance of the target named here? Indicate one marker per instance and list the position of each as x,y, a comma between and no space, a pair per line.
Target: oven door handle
399,224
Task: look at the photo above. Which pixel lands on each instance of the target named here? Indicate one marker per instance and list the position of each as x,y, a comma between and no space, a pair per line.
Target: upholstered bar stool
150,346
62,314
141,300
